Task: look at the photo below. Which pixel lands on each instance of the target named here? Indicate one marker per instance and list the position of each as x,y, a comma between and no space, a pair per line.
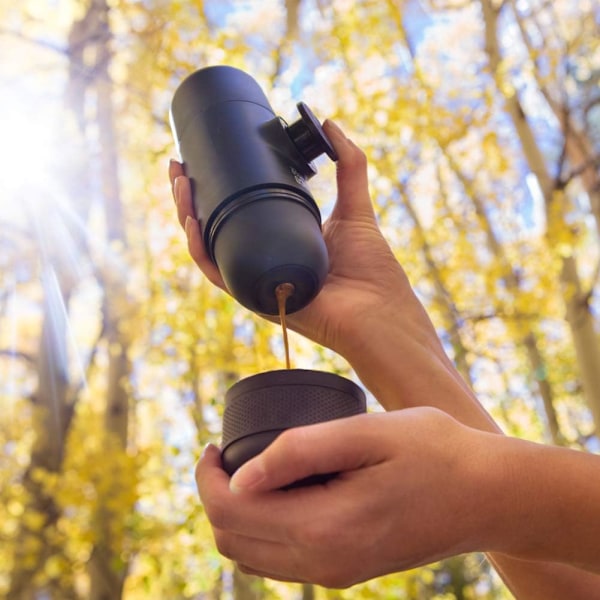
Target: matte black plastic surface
260,407
273,239
238,154
308,135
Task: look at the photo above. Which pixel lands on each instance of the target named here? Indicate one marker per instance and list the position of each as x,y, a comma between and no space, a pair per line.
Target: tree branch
594,280
13,353
33,41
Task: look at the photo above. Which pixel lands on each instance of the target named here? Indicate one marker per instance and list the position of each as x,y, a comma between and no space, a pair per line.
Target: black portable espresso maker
261,226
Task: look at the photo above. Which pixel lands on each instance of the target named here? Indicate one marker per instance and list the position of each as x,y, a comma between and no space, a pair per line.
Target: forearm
408,378
547,500
535,580
547,517
403,364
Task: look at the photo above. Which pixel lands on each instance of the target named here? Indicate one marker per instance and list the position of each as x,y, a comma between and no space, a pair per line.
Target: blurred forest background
481,119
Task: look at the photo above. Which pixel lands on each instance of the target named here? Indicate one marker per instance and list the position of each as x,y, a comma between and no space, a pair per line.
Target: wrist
520,536
492,475
474,497
387,333
397,355
546,504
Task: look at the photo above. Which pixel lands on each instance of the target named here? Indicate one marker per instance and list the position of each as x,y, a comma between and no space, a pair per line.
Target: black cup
260,407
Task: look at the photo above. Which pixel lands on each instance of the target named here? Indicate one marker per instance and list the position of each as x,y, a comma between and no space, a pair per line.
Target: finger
293,563
210,474
332,447
199,255
353,200
182,190
272,517
269,575
212,482
175,170
185,214
259,557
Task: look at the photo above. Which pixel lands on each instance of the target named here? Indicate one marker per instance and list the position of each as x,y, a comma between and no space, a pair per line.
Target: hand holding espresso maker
262,228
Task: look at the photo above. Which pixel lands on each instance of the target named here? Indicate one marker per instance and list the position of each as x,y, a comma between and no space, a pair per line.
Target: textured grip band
260,407
285,406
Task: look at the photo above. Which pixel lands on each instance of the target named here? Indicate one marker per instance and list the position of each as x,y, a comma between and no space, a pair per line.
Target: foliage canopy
481,121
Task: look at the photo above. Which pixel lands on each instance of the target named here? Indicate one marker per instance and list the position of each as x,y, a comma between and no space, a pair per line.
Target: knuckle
223,542
289,444
314,535
295,440
331,578
244,568
247,570
359,157
356,159
292,439
217,514
198,471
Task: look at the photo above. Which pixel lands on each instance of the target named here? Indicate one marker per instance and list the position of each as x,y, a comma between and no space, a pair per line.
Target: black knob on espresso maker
308,135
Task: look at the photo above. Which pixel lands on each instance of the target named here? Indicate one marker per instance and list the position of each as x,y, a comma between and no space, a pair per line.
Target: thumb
331,447
353,199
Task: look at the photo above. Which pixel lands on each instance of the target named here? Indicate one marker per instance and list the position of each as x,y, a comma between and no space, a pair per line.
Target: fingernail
335,127
188,225
207,448
176,186
248,476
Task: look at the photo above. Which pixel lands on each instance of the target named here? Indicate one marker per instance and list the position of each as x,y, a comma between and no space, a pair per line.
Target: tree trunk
509,277
579,319
53,404
585,338
108,563
247,587
578,147
450,311
511,282
52,417
538,368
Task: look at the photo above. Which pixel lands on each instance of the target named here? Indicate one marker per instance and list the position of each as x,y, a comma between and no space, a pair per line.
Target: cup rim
299,377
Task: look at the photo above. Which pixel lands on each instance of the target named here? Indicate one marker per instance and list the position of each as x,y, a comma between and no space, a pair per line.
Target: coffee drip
282,292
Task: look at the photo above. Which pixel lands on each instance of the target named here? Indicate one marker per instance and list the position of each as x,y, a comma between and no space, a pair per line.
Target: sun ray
9,370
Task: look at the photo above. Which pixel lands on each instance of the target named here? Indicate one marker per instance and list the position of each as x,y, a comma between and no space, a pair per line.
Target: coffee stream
282,292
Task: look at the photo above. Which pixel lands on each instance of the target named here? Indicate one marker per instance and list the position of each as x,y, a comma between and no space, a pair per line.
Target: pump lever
308,135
